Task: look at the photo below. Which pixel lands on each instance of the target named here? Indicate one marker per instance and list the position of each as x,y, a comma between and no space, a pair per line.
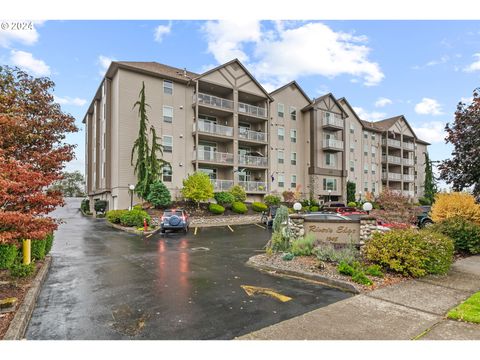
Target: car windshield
172,212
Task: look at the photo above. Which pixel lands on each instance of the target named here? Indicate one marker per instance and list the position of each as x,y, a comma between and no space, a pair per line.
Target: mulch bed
310,264
14,287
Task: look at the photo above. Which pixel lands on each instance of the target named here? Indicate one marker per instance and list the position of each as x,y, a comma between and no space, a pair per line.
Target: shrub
455,204
114,216
326,252
303,246
281,218
259,207
272,200
238,193
465,234
239,207
38,249
289,196
395,208
424,201
345,268
314,208
100,206
158,195
8,253
197,187
216,209
224,198
288,256
48,243
352,204
361,278
278,242
374,270
85,205
20,270
306,209
134,218
411,252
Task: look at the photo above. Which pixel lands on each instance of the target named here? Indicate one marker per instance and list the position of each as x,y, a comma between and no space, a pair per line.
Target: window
280,156
373,137
167,143
212,173
167,114
167,173
293,135
365,169
104,170
365,188
293,183
281,133
329,184
374,151
352,165
280,110
374,169
365,135
365,149
373,188
167,87
281,180
352,147
352,128
293,113
330,159
293,158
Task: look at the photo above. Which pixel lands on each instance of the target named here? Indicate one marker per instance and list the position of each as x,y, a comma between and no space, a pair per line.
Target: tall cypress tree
430,185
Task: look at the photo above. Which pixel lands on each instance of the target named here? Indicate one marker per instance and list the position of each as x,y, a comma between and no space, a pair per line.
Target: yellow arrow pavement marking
230,228
260,226
252,290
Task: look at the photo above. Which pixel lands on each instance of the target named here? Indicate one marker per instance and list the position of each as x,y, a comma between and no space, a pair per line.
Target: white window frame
166,118
352,165
281,181
167,148
167,90
352,128
330,160
293,158
166,173
293,113
329,181
281,133
365,169
281,159
293,181
365,187
293,135
281,113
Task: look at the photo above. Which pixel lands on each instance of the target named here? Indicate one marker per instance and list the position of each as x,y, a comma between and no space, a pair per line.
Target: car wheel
427,223
162,231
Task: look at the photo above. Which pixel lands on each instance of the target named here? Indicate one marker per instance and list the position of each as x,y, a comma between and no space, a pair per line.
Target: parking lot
108,284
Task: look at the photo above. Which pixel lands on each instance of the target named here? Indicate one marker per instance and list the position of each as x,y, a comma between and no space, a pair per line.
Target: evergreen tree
351,189
430,185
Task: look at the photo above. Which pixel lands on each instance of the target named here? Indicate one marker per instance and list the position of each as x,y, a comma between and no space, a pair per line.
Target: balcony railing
332,121
391,142
247,134
409,146
253,160
392,159
213,156
211,128
391,176
408,162
222,185
215,101
408,193
333,144
252,110
408,177
253,186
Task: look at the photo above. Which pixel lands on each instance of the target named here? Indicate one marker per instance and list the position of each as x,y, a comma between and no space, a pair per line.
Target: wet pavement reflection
108,284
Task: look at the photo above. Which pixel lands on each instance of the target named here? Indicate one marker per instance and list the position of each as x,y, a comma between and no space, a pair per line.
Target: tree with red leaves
32,154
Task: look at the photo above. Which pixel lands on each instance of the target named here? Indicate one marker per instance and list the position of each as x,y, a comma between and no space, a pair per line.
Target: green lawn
469,310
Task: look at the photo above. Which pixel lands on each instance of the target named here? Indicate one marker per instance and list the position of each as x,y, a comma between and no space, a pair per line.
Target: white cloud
475,66
25,37
467,100
27,62
442,60
70,101
161,31
291,50
104,62
432,132
428,107
370,116
382,101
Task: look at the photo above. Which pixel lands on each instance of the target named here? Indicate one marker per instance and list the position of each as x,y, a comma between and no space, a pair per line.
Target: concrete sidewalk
413,309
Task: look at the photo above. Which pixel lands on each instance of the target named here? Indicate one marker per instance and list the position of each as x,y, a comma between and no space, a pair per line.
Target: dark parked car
174,219
423,218
269,215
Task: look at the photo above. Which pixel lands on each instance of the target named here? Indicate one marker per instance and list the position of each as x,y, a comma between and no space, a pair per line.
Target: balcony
253,160
245,133
333,144
252,110
391,176
212,128
221,185
391,142
408,177
332,122
215,101
408,162
409,146
392,159
406,193
213,157
254,186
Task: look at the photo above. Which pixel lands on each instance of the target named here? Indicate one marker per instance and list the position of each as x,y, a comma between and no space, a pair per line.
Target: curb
339,284
131,231
18,326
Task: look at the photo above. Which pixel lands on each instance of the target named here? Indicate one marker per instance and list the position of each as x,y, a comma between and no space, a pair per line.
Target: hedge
259,207
216,209
38,249
134,218
114,216
8,253
239,207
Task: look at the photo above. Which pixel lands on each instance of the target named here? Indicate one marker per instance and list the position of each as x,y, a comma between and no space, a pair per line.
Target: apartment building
224,123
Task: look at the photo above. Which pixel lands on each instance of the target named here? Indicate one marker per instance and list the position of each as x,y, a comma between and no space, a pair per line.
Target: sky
420,69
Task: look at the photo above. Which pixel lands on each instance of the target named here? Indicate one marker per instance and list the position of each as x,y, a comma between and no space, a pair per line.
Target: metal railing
391,142
252,110
222,185
213,156
253,160
245,133
253,186
408,177
215,101
392,159
333,121
211,128
409,145
391,176
333,143
408,162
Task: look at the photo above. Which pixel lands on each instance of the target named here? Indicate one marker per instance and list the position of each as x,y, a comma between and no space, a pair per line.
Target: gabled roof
298,87
244,69
317,100
153,68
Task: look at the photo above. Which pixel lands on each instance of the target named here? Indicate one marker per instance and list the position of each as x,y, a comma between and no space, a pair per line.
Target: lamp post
367,207
360,194
329,194
131,187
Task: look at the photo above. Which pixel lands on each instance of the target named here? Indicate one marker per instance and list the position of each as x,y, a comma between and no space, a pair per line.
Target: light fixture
297,207
367,207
